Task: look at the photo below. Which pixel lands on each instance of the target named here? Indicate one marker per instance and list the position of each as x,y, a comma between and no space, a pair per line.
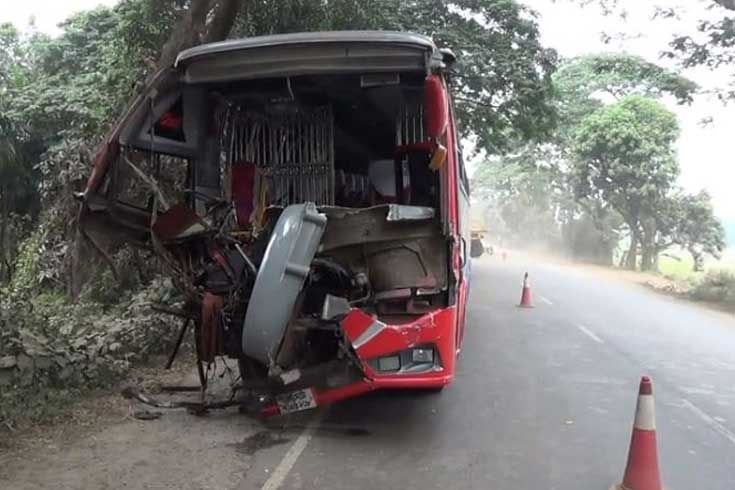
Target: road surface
544,399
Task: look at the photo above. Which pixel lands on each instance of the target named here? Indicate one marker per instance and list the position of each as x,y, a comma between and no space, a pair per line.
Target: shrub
53,350
717,286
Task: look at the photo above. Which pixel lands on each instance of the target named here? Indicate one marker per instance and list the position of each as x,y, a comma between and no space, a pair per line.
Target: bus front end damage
303,206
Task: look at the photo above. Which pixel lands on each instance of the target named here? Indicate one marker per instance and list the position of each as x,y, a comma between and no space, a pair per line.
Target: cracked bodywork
306,194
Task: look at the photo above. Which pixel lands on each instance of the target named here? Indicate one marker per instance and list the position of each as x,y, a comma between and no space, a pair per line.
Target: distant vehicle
307,195
477,246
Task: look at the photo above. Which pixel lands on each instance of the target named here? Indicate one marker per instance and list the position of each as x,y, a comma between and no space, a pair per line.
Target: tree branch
223,18
186,33
474,102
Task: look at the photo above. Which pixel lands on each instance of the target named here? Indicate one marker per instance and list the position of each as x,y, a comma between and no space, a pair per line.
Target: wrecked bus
306,193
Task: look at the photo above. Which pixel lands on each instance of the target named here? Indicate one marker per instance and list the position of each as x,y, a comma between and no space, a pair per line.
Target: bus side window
463,178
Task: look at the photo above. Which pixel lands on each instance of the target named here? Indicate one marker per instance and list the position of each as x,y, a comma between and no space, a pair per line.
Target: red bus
307,196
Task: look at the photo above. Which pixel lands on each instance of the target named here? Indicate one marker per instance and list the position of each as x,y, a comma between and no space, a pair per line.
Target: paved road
544,398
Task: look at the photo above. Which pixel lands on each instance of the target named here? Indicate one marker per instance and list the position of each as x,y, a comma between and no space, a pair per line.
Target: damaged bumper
417,354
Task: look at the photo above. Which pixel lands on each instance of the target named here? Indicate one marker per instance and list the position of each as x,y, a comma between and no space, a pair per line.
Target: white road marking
546,300
714,424
590,334
292,455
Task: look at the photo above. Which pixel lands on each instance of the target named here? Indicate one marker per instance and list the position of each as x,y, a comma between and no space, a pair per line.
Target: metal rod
179,340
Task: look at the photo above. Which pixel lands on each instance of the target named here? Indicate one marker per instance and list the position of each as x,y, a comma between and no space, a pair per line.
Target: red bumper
372,338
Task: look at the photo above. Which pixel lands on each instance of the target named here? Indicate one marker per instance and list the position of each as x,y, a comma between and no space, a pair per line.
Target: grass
681,269
678,265
716,284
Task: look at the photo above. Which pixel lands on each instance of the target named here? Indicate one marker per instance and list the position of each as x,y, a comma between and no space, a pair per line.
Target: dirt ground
69,451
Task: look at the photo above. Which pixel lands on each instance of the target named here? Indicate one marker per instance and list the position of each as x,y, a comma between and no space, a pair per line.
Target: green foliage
526,191
51,350
625,155
503,74
714,44
27,275
716,286
698,230
58,96
619,75
581,84
588,224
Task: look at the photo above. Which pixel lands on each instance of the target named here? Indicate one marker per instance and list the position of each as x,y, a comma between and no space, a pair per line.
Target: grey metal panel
282,273
375,37
404,212
298,60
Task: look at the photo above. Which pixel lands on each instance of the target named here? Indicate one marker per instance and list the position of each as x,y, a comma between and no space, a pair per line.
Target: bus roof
308,53
328,37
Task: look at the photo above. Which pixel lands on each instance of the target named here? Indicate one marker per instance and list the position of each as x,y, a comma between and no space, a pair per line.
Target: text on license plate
296,401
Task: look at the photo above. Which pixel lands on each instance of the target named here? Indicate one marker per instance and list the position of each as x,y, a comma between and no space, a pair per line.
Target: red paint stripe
646,387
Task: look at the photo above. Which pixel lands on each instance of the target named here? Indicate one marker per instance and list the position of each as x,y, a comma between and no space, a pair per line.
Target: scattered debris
146,415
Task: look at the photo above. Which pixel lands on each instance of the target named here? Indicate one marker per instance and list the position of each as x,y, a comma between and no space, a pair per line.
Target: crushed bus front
306,195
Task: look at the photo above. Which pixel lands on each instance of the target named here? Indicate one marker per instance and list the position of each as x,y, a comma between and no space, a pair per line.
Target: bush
717,286
53,350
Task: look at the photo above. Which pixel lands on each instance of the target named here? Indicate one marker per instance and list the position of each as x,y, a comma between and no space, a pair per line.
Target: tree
712,46
17,185
698,230
584,84
527,192
204,21
625,157
59,95
589,226
502,78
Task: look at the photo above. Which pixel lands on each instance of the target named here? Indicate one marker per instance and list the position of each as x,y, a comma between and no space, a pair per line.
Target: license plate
296,401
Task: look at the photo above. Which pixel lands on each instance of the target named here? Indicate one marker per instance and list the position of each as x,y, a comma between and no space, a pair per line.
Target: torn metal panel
403,212
419,263
350,226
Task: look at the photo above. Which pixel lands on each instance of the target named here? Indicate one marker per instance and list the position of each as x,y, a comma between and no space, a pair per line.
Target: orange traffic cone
641,472
526,293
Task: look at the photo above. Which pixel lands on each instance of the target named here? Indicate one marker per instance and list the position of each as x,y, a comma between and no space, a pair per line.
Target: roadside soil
103,426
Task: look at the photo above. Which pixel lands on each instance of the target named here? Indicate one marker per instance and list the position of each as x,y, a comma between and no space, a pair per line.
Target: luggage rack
293,151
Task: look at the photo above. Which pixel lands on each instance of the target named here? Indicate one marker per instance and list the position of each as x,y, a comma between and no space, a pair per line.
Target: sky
705,153
47,13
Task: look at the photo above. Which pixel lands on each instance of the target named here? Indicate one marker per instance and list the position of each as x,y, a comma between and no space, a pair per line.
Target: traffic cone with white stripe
642,472
526,293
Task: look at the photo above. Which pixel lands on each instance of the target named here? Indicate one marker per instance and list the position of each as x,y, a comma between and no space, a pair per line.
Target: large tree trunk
205,21
630,261
223,18
698,260
4,260
648,255
185,34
